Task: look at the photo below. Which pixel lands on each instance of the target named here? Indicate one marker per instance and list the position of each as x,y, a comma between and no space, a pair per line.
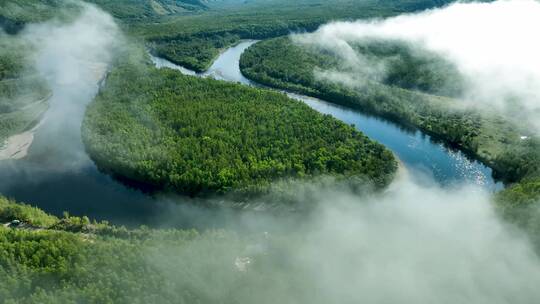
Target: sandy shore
16,146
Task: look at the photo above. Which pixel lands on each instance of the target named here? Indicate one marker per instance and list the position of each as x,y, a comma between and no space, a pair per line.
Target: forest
46,259
200,136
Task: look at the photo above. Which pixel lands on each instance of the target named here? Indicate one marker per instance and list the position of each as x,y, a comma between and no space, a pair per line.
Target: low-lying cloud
73,53
493,44
418,244
410,244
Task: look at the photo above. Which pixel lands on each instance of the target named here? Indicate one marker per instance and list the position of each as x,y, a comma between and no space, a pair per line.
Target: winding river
58,176
416,150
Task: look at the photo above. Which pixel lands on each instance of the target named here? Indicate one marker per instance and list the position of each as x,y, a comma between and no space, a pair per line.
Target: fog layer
410,244
493,44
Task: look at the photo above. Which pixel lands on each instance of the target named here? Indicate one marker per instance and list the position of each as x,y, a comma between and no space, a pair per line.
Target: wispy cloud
493,45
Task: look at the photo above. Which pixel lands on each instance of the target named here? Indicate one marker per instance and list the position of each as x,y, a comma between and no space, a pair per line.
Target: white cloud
493,44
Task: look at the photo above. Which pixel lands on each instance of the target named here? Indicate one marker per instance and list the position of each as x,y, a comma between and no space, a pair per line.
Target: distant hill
15,13
140,9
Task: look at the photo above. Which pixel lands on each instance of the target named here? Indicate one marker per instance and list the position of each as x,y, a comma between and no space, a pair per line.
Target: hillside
15,13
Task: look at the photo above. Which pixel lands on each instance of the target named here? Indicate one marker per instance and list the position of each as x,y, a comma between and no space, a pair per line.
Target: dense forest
198,136
44,259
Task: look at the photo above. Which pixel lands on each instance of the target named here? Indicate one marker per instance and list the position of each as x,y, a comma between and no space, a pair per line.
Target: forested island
203,136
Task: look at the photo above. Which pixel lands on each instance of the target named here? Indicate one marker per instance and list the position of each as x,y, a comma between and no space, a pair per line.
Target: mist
415,242
409,244
492,44
73,53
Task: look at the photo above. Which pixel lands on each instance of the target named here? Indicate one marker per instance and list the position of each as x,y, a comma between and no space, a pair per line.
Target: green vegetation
200,136
411,93
23,93
195,40
14,14
46,263
10,210
520,204
61,267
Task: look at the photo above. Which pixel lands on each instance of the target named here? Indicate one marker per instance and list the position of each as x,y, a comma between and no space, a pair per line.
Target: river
57,175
